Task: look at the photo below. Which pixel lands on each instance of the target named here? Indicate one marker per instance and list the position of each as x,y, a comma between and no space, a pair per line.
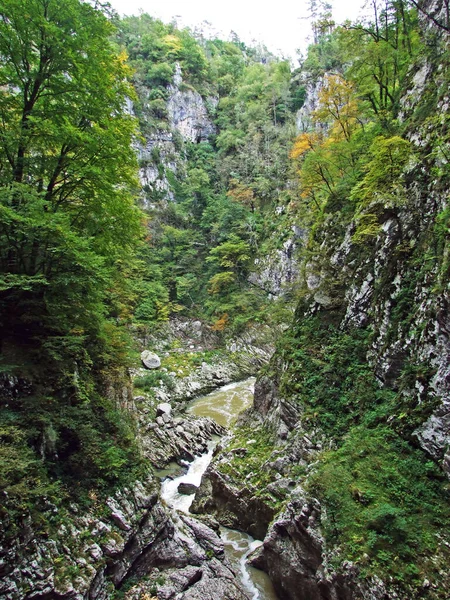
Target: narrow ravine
223,405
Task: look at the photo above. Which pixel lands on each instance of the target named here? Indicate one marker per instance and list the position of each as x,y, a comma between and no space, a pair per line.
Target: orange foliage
305,142
338,104
241,193
221,323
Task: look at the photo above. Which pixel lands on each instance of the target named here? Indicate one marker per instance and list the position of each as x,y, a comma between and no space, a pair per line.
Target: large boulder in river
187,488
150,360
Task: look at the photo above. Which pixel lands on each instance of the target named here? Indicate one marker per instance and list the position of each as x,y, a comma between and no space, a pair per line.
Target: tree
338,104
68,227
64,128
382,51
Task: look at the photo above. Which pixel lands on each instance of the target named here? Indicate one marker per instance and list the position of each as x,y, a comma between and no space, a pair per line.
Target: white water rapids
223,405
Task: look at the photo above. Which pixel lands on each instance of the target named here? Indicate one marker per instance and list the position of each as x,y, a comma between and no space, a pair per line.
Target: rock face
137,536
176,439
161,156
188,112
234,506
292,556
278,270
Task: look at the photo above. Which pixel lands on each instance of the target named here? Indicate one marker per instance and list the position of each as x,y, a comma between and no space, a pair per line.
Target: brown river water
223,405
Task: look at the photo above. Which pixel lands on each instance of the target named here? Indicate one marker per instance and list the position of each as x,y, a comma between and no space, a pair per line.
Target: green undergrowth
247,456
154,379
325,369
387,505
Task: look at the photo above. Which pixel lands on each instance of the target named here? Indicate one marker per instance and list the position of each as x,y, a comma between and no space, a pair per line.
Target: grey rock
183,438
225,589
120,520
187,488
163,408
231,504
188,113
150,360
292,556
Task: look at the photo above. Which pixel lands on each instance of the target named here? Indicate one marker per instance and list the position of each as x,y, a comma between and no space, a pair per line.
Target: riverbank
224,405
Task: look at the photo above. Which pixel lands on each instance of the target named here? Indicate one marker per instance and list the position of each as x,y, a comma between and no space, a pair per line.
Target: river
223,405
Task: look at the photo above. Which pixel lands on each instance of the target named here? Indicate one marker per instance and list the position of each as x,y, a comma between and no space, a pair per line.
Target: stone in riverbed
187,488
150,360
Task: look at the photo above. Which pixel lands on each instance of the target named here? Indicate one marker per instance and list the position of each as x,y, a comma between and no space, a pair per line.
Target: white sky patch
280,25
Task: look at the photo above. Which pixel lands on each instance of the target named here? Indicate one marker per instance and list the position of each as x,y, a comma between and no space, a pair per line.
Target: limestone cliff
187,118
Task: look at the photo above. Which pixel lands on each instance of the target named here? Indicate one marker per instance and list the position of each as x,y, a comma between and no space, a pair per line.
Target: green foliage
385,504
383,179
154,379
327,372
68,232
382,50
234,254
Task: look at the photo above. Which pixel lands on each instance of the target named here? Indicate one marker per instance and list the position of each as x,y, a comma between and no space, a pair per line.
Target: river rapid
224,406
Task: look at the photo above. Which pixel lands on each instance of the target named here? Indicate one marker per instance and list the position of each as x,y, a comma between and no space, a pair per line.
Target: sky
280,24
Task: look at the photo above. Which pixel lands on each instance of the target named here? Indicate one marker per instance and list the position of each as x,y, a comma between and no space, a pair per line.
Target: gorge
178,214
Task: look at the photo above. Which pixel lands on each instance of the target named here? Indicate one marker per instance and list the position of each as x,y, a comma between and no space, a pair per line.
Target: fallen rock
150,360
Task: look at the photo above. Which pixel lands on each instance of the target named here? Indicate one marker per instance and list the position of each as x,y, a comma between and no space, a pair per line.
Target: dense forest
118,214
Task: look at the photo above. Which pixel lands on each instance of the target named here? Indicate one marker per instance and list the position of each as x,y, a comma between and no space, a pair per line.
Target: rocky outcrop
193,583
177,439
157,156
277,271
295,558
188,112
234,505
12,387
89,556
270,408
292,555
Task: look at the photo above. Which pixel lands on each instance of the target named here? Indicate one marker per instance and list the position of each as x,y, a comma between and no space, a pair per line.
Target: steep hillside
217,120
353,409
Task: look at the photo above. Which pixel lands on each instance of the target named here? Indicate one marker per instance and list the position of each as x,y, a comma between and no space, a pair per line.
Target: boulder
150,360
163,409
187,488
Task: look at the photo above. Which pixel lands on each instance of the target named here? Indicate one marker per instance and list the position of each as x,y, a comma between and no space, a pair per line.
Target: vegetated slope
69,229
217,120
359,386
